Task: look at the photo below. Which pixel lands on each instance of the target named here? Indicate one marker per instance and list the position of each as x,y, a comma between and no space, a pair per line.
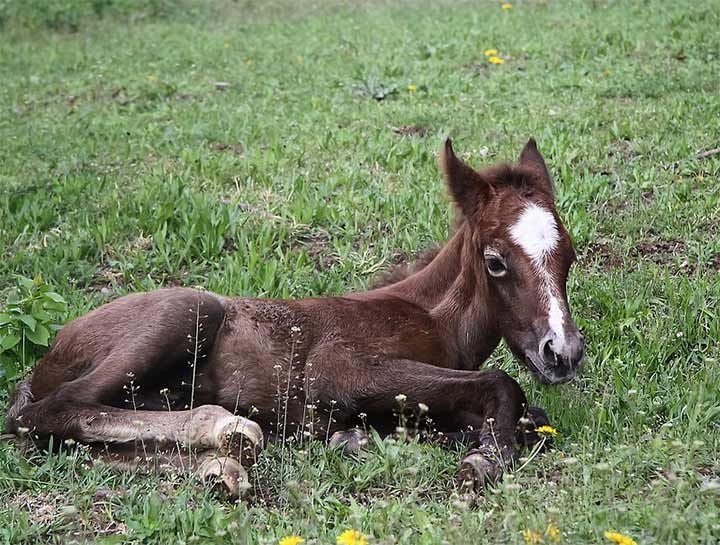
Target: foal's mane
400,271
521,178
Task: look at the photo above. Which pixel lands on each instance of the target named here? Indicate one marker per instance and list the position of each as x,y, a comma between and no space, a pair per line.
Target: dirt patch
669,254
47,508
105,279
316,244
619,152
673,255
603,255
410,130
238,149
659,250
622,149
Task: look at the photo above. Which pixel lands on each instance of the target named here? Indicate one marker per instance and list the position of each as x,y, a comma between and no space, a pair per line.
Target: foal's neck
448,289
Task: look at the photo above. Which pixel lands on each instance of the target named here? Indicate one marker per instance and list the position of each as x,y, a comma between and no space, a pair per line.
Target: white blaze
536,232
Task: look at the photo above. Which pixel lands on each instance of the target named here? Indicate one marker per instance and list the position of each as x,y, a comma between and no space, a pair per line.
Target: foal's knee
506,393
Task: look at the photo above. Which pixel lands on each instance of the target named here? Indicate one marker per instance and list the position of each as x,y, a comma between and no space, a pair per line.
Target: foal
186,367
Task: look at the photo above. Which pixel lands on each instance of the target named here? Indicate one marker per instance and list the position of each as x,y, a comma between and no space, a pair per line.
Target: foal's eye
495,265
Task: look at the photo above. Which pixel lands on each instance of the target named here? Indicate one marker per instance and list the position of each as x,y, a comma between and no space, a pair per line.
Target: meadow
288,149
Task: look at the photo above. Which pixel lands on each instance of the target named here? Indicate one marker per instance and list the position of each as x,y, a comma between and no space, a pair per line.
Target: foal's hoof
239,435
477,471
226,474
534,418
352,441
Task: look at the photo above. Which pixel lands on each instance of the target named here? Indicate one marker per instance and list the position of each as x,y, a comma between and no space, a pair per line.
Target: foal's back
172,347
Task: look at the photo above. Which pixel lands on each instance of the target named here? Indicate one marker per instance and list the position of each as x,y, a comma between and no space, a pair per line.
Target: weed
30,315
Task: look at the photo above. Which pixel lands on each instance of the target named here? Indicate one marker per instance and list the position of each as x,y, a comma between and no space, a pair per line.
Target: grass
126,167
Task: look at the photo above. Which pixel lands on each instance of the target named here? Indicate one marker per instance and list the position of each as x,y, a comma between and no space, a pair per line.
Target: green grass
124,168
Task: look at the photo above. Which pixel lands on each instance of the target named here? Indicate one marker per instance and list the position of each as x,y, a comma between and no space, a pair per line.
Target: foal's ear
466,186
530,157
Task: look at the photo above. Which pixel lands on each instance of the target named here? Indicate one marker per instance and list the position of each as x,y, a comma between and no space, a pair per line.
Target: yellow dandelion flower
226,45
352,537
412,88
152,77
490,52
553,532
507,6
700,178
620,539
292,540
531,538
547,430
496,60
248,61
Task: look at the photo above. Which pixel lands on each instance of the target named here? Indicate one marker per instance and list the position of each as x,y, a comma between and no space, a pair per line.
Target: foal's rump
118,353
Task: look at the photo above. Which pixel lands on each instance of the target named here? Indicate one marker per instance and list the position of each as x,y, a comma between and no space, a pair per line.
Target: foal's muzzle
557,362
569,354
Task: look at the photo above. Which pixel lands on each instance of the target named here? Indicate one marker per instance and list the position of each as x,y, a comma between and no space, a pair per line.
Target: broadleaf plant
32,312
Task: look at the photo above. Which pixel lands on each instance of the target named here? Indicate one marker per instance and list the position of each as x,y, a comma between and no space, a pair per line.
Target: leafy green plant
31,314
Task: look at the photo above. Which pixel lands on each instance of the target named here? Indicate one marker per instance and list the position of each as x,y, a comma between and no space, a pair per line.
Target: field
282,150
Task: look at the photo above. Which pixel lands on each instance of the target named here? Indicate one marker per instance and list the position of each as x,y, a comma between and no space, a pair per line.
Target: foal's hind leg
160,334
352,441
225,473
207,427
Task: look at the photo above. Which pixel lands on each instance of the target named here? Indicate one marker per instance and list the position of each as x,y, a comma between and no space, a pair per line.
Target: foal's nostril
577,351
555,357
548,353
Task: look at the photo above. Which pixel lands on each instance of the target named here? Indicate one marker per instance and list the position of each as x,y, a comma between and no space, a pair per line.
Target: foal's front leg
479,409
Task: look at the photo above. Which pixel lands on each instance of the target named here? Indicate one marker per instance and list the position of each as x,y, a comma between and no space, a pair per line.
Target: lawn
281,150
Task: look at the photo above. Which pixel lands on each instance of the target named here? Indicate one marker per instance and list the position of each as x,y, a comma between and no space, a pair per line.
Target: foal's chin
547,375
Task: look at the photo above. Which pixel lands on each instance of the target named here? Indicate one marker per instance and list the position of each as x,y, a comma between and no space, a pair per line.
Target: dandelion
248,61
151,77
553,532
496,60
292,540
507,6
352,537
226,45
531,538
547,431
490,52
620,539
412,88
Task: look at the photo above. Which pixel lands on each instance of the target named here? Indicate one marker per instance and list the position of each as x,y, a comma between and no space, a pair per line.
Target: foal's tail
21,398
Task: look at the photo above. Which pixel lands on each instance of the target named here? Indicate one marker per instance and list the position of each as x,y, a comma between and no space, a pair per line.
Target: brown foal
186,367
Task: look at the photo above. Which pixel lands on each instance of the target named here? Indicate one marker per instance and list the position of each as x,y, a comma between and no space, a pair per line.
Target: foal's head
520,254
